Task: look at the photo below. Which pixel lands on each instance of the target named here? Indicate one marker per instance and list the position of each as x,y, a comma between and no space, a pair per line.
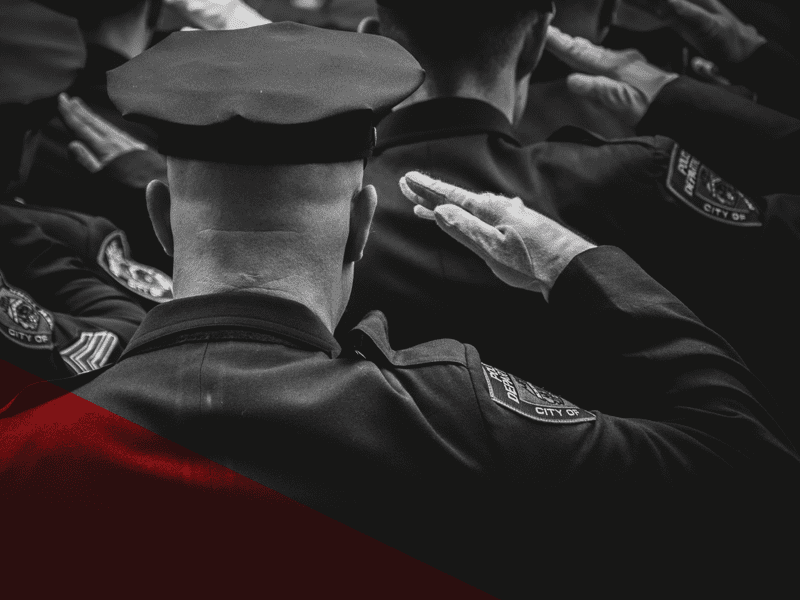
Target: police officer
631,193
740,51
76,165
755,146
750,145
57,317
428,449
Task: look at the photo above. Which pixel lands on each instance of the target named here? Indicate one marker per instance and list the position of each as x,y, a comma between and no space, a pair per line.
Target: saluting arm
68,312
752,145
690,407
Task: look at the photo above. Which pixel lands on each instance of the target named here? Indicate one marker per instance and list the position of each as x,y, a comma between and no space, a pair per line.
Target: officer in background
42,55
426,448
629,193
79,169
749,144
752,144
550,105
742,53
57,317
683,36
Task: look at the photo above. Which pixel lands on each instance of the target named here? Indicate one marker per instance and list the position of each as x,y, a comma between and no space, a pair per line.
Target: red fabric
93,504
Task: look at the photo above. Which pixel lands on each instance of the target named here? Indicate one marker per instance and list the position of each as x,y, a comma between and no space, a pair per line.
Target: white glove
621,80
218,14
522,247
708,25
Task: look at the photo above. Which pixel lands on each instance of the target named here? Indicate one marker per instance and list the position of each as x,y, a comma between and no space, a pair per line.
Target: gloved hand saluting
708,25
522,247
621,80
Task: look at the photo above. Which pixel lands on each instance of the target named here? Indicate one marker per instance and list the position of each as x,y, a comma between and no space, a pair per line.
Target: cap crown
280,74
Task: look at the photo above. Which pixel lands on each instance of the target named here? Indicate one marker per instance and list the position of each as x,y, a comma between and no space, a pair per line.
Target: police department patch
22,320
701,189
532,401
143,280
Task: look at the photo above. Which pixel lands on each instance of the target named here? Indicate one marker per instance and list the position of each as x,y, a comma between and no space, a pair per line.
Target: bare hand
708,25
621,80
99,142
522,247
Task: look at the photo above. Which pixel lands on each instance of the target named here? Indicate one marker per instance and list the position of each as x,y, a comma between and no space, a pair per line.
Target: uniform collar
235,314
442,118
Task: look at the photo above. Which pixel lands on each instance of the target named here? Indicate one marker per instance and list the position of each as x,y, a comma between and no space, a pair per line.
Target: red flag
94,504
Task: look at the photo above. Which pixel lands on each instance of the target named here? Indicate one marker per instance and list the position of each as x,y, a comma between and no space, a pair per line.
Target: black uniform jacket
58,318
433,451
753,145
773,73
117,192
722,252
102,248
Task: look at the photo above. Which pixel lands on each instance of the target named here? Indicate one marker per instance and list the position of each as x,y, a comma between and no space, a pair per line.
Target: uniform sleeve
677,404
774,74
752,145
58,317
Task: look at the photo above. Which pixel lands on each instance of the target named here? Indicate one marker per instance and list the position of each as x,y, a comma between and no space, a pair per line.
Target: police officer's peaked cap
281,93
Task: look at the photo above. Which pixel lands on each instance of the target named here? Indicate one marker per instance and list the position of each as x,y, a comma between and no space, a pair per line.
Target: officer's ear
369,25
158,206
362,209
534,44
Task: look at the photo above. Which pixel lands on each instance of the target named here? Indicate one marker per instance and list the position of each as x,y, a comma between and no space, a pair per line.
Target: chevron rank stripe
91,351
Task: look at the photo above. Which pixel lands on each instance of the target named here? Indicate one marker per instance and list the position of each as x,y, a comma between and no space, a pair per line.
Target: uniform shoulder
370,339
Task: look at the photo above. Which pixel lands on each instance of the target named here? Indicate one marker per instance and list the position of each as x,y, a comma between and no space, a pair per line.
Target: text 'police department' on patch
532,401
701,189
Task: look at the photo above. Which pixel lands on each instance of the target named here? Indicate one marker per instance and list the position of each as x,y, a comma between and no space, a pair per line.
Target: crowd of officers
597,199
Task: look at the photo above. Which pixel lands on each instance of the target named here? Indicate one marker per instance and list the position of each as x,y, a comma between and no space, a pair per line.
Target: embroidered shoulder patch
701,189
91,351
143,280
532,401
22,320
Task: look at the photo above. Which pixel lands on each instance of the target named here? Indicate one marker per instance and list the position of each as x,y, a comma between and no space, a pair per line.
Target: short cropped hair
459,39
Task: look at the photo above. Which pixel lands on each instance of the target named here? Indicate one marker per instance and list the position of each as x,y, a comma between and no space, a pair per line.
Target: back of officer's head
266,131
450,39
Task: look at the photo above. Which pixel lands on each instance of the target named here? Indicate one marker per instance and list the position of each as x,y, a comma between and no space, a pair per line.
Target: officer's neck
504,92
315,291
